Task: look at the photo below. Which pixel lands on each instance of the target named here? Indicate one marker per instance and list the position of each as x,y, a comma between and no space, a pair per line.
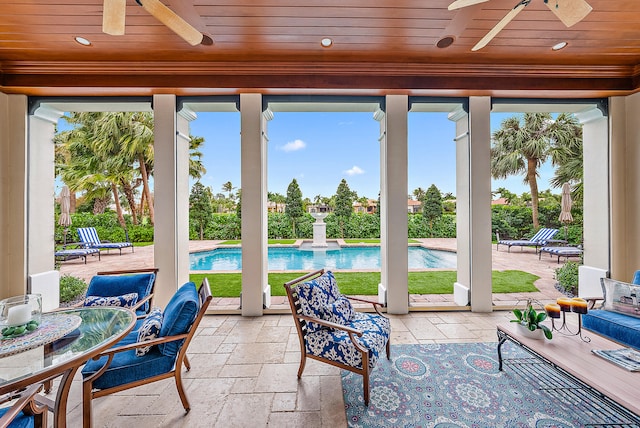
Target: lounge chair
561,252
540,239
76,253
89,238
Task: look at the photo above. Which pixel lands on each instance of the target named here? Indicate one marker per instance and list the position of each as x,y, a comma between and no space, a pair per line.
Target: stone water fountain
319,230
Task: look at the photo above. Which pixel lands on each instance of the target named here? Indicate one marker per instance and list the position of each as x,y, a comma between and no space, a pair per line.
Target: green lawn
366,283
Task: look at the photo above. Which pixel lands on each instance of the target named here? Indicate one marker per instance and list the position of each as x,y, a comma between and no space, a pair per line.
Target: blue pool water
343,258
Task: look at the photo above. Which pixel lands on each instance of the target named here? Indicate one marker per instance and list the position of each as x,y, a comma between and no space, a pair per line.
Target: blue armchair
123,366
331,331
24,412
114,284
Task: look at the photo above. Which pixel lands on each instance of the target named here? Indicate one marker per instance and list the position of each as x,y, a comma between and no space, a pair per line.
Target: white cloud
292,146
355,170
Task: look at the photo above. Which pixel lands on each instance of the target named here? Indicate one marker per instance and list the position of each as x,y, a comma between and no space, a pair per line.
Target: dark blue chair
24,412
122,282
119,368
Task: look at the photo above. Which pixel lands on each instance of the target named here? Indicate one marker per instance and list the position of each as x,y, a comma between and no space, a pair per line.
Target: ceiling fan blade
570,12
458,4
113,15
178,25
500,25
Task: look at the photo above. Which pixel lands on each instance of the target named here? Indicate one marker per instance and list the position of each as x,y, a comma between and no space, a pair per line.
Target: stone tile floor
244,375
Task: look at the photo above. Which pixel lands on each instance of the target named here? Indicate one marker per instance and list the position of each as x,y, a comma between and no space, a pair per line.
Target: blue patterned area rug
451,385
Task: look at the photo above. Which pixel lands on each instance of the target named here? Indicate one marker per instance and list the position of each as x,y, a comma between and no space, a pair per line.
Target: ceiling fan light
559,46
82,41
176,24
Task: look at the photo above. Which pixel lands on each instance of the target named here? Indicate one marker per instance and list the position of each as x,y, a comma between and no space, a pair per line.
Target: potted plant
530,321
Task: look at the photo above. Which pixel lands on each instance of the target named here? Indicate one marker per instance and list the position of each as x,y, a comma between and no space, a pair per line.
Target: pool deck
524,259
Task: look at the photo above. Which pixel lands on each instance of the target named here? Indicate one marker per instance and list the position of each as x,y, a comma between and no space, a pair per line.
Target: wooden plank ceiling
274,45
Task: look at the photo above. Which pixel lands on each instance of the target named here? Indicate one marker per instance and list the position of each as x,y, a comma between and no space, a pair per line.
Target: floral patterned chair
331,331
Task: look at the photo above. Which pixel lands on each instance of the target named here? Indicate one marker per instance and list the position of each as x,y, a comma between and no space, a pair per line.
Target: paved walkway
524,259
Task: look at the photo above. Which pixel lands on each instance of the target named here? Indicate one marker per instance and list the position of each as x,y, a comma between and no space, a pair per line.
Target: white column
462,286
393,197
480,203
13,195
168,213
625,192
41,190
596,232
253,155
185,116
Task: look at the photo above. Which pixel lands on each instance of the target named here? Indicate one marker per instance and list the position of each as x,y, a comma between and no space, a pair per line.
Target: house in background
414,207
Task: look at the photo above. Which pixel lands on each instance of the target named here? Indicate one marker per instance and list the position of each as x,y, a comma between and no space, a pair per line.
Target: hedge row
509,221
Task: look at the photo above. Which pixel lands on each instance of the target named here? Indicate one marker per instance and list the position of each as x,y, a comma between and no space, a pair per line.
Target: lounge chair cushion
615,326
116,285
336,345
126,300
127,367
178,317
150,329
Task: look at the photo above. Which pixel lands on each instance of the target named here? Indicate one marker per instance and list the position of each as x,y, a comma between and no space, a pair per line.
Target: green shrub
71,287
567,277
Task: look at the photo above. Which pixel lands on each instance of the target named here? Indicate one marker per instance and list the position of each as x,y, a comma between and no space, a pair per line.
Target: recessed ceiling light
326,42
559,46
445,42
82,41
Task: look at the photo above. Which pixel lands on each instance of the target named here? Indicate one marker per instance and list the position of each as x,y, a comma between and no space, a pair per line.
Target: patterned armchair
331,331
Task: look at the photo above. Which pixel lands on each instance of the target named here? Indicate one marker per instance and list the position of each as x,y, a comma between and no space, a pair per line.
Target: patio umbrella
565,208
65,207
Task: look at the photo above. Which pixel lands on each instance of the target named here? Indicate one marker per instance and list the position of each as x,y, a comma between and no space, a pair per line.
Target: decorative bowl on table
20,315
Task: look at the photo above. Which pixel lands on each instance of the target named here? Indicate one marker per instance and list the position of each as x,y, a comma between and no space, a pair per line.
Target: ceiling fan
570,12
113,18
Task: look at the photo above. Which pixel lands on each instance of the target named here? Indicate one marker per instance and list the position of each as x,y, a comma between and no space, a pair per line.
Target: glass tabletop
97,327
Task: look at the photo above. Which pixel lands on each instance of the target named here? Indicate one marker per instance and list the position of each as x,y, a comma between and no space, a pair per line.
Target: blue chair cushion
126,367
315,295
615,326
150,329
125,301
20,421
178,316
117,285
336,345
340,311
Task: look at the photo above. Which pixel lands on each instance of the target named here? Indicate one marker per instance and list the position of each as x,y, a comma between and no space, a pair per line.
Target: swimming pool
288,258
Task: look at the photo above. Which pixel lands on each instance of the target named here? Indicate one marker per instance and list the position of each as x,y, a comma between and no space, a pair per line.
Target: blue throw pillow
340,312
125,300
115,285
150,329
179,315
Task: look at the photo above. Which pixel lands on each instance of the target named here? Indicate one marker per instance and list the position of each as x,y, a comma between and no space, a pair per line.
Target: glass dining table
63,342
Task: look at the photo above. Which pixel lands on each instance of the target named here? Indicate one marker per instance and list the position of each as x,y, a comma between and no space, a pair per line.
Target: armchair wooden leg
181,393
365,387
303,362
389,349
187,364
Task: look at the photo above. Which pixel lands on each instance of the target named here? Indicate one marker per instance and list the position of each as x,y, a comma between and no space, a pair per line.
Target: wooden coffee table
606,387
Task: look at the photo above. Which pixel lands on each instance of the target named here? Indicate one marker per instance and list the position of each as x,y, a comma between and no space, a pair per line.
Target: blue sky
320,149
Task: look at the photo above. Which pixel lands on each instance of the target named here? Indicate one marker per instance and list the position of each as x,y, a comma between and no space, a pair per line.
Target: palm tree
228,187
569,158
520,148
419,193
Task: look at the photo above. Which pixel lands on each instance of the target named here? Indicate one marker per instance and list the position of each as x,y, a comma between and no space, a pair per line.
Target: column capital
457,114
589,115
187,114
48,113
